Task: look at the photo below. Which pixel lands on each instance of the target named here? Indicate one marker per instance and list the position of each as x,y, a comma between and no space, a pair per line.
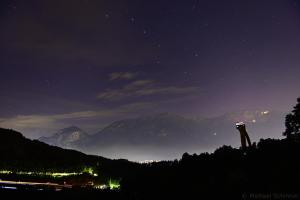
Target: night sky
89,63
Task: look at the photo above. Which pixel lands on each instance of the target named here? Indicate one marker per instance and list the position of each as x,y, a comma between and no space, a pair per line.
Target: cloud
144,88
137,106
126,91
122,75
166,90
139,83
21,122
24,121
34,126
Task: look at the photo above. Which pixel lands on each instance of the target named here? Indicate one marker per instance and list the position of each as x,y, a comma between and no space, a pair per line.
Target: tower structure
244,135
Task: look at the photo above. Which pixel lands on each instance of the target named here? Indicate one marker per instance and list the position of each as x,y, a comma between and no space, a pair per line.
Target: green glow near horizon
89,170
114,184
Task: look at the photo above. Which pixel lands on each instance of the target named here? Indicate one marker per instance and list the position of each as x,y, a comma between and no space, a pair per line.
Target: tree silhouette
292,122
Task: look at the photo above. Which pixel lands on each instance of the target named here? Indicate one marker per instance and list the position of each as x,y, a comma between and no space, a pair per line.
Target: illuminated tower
244,135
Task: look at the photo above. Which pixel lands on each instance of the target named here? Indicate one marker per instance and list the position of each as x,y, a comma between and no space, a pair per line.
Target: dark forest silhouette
269,167
292,122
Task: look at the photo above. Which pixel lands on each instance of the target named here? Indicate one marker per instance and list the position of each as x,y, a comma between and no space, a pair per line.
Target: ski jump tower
244,135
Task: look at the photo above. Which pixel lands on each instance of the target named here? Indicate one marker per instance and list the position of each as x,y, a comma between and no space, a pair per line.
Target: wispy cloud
144,88
166,90
37,125
122,75
138,84
21,122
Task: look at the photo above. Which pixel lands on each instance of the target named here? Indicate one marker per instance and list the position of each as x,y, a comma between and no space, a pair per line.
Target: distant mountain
158,130
162,136
167,136
66,137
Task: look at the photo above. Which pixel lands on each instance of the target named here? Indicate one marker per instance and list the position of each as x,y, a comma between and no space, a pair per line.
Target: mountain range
166,136
66,137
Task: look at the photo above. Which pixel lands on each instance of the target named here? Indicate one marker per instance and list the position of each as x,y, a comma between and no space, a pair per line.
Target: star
47,82
132,19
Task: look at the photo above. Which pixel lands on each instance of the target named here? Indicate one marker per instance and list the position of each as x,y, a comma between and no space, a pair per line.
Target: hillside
271,166
20,152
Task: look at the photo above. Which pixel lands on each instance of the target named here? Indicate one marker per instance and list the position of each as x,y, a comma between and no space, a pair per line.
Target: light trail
34,185
53,174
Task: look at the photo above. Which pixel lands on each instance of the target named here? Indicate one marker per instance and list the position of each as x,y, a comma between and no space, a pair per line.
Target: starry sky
91,62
